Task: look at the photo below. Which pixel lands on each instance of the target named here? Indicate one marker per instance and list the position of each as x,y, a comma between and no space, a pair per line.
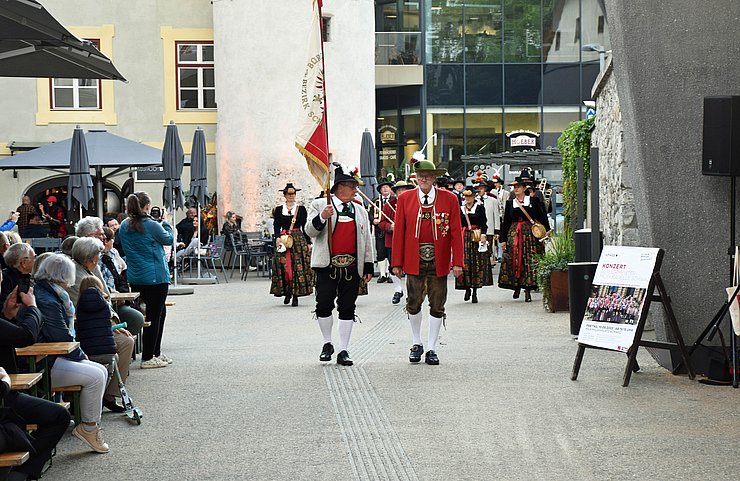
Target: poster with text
617,297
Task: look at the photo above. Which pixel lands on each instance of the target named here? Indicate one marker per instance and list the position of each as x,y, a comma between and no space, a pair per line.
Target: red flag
312,138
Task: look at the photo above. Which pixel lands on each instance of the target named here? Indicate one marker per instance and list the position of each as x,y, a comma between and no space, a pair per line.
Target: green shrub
574,142
560,251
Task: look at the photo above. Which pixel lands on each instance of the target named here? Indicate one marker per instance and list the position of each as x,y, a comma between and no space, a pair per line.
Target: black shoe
326,352
343,359
527,296
467,295
475,296
388,280
397,297
113,406
382,279
295,301
416,351
286,301
431,358
517,291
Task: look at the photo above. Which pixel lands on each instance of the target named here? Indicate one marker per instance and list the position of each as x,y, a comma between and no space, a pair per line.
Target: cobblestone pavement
247,398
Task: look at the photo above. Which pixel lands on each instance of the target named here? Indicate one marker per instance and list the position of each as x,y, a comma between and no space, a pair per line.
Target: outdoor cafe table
39,351
123,296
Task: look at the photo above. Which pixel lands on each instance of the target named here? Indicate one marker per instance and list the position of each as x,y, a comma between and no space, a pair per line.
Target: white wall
258,96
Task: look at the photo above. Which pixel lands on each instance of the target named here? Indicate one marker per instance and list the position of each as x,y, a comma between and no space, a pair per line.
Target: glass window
444,84
483,85
482,32
522,118
444,32
326,29
561,84
555,120
195,76
76,94
523,84
558,20
484,131
448,125
522,31
593,28
590,72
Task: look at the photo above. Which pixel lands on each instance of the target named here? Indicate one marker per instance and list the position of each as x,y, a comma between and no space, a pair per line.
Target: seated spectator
52,419
229,230
10,223
87,258
4,244
112,265
93,331
35,228
19,258
37,262
67,245
55,274
112,223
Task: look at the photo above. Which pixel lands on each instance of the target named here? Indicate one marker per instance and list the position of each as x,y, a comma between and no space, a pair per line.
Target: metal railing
397,48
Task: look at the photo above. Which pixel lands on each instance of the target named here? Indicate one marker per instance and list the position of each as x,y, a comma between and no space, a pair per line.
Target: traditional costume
381,254
477,271
427,235
339,264
387,225
292,276
517,268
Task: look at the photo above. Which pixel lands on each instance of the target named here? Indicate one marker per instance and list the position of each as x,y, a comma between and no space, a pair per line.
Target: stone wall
616,198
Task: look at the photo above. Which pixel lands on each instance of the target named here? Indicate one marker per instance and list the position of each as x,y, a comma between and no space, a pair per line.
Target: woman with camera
477,270
143,239
524,215
292,276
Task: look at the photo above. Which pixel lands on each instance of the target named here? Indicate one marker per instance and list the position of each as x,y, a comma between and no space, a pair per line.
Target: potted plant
551,270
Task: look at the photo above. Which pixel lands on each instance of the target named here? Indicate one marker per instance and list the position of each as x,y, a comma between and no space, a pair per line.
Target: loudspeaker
721,148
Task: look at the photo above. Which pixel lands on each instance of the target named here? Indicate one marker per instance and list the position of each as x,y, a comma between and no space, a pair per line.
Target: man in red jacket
427,236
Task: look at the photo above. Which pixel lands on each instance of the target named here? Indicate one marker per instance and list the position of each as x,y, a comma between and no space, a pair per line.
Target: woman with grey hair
89,227
54,275
67,245
19,259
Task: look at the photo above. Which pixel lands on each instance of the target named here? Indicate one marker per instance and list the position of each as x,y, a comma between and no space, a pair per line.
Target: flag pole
327,189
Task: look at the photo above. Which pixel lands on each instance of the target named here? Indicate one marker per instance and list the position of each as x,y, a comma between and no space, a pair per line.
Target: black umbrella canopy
368,165
34,44
80,185
173,159
198,169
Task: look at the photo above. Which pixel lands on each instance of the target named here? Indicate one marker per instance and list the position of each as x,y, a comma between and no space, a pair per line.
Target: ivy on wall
575,142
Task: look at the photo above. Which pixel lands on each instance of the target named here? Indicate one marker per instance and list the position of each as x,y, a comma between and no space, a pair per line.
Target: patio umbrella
34,44
80,185
173,158
368,165
198,177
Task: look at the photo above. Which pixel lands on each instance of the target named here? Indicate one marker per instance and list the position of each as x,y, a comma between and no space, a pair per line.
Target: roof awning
105,150
536,159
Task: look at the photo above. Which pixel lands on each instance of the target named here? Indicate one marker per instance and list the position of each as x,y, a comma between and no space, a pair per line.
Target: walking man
427,234
340,263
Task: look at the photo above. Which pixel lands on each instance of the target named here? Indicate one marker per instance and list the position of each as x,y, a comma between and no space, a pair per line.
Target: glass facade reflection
490,67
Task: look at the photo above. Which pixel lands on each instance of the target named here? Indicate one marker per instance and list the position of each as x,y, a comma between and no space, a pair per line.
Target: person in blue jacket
10,223
143,238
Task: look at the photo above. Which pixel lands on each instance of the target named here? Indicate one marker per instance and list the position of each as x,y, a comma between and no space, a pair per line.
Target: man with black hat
427,235
381,254
340,258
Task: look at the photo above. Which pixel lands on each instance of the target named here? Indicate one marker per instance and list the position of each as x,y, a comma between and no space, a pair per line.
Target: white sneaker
152,363
164,358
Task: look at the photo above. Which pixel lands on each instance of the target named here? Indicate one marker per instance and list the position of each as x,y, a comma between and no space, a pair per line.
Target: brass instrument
547,193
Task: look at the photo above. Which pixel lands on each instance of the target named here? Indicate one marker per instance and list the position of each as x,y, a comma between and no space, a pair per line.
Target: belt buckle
342,260
426,252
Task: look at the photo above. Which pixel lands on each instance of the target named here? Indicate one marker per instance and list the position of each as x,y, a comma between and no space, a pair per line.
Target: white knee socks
415,321
397,283
345,331
435,324
383,268
325,324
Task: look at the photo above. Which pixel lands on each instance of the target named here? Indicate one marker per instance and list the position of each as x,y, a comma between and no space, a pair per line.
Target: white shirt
431,195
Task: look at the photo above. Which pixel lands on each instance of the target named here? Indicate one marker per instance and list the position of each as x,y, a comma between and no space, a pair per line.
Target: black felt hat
342,173
384,182
289,189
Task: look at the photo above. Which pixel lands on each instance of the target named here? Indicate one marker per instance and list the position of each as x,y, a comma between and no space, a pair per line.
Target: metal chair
214,255
261,251
240,249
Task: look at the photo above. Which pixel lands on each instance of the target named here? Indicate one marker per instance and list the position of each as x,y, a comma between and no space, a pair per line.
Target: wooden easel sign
618,305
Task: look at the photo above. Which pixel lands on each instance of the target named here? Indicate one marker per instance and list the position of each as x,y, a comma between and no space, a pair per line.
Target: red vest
343,239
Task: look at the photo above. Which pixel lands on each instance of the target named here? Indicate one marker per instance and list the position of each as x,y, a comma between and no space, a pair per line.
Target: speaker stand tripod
715,325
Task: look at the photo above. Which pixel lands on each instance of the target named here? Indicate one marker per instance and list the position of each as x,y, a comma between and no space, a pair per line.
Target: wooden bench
8,460
21,382
75,390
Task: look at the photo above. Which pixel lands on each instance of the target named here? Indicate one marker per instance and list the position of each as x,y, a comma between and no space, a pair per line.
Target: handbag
287,239
538,230
734,303
474,232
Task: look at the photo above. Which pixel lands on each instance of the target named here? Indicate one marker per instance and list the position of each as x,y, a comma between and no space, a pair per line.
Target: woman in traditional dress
477,270
519,245
292,276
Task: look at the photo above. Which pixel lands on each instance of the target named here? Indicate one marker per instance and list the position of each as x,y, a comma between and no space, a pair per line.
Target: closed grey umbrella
80,185
198,169
173,159
368,165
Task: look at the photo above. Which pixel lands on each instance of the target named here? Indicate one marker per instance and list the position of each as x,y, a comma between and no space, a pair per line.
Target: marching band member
387,224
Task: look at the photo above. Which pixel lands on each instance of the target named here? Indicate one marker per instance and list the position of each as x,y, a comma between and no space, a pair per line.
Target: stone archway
57,186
